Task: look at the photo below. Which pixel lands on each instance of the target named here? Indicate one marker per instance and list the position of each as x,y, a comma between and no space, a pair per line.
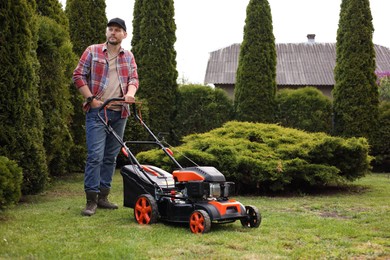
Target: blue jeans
102,149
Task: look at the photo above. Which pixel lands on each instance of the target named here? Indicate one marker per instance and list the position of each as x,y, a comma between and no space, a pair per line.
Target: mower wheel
200,222
253,218
146,210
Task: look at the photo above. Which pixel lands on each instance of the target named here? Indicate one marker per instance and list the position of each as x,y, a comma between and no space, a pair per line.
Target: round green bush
201,108
10,182
305,108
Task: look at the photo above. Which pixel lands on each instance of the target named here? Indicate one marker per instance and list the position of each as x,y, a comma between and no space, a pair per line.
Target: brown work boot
91,206
103,201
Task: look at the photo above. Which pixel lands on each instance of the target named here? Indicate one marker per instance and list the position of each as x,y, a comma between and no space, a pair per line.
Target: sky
204,26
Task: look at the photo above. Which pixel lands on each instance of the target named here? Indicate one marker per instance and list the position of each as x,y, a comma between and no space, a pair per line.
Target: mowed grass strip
339,223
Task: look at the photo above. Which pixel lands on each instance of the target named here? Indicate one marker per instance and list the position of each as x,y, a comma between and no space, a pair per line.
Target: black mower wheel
253,218
200,222
146,210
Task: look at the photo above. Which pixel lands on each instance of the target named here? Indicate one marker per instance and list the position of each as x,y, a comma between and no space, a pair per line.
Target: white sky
204,26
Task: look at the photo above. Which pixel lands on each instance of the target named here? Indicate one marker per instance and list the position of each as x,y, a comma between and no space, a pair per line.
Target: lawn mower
197,195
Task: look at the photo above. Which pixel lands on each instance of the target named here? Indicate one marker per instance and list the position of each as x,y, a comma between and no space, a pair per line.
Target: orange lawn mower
197,195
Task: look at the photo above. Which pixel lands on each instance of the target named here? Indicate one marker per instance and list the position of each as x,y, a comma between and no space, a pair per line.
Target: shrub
381,142
10,182
305,108
200,109
263,157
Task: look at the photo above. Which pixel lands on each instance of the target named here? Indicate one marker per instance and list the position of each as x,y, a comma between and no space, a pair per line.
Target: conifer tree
86,27
355,93
255,88
21,128
87,23
53,9
56,59
153,47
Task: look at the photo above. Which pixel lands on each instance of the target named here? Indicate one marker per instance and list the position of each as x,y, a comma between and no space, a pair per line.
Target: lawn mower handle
107,101
156,140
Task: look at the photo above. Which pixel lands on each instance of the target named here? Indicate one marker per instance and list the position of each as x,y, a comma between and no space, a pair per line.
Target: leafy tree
21,130
255,88
86,27
355,92
153,48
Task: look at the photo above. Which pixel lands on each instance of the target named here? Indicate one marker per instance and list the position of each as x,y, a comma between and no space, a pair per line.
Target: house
298,65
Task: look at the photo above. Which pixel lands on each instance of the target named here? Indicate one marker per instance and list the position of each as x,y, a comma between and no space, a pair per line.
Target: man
104,71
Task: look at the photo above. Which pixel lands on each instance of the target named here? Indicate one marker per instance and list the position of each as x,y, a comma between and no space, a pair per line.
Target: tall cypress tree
355,93
53,9
57,61
87,23
86,27
21,128
153,47
255,88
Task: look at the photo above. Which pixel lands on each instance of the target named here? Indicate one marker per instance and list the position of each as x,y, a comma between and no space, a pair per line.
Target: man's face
115,34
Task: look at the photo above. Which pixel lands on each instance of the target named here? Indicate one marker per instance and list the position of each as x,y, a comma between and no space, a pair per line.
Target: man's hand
130,95
129,98
96,103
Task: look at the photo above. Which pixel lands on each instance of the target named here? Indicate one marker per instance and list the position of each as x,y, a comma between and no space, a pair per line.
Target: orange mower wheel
146,210
200,222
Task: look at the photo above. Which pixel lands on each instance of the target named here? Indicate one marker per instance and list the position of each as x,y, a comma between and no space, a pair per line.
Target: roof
307,64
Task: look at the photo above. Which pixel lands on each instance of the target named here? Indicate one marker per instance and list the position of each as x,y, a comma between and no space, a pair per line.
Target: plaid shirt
92,70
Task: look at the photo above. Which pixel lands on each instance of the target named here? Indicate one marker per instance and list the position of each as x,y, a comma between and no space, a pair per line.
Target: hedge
267,157
381,141
305,108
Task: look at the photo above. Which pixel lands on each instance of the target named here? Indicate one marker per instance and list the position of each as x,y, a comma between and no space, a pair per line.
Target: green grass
348,223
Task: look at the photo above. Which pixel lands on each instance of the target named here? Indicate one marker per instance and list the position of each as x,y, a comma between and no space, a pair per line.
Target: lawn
352,222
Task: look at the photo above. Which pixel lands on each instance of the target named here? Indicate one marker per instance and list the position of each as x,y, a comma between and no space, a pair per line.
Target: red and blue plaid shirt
92,70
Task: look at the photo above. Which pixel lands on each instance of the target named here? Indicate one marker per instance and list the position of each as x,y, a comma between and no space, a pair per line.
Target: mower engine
203,182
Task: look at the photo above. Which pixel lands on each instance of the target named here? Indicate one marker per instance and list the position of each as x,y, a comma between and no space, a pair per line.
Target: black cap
117,21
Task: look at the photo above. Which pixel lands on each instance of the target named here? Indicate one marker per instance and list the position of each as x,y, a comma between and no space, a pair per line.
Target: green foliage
255,88
200,109
10,182
355,92
53,9
381,143
261,157
384,89
86,27
305,108
153,47
56,57
21,131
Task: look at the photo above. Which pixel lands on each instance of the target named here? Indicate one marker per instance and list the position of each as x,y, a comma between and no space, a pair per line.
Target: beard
113,42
